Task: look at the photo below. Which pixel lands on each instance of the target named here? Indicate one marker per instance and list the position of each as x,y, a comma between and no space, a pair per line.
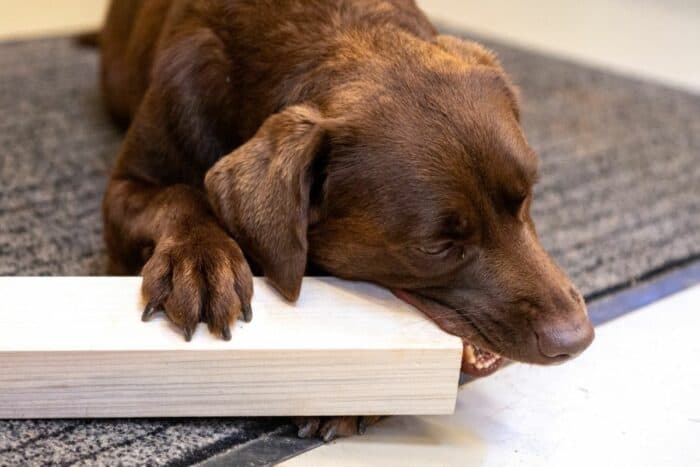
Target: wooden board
76,347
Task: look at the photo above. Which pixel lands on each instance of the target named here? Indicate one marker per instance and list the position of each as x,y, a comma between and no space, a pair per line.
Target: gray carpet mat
619,201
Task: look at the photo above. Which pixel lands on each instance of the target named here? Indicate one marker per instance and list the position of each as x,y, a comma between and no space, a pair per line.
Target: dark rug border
603,307
654,287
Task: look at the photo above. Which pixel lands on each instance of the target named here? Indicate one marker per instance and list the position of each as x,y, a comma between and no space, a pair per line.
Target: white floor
31,18
633,399
656,39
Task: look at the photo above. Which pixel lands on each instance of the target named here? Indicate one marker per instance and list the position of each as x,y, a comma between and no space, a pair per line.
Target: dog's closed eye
515,202
437,249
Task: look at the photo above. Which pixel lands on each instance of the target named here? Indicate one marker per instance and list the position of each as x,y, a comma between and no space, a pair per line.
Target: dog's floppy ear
261,193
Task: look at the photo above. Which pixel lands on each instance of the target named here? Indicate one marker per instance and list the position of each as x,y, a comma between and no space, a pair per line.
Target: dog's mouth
477,358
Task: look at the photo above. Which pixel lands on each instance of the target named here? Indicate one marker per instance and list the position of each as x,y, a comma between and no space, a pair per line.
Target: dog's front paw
330,428
201,276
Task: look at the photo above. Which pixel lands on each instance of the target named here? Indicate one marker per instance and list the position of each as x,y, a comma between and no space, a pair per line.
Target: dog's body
340,136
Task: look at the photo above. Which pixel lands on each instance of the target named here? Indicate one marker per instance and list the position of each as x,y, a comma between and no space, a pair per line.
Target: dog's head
422,182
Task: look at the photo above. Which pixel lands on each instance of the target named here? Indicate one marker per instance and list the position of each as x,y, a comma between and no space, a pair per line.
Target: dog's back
127,41
267,39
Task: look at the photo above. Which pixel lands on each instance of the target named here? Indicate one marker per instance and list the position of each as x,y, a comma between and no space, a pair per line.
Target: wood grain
76,347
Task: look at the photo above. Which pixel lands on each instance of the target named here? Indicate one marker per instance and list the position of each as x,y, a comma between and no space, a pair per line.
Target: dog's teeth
479,358
471,358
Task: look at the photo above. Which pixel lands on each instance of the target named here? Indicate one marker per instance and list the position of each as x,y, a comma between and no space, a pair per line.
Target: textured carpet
619,201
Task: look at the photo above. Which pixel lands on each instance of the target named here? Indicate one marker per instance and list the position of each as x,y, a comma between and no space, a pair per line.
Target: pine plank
76,347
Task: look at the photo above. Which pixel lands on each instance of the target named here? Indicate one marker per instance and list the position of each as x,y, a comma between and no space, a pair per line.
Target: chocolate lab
341,137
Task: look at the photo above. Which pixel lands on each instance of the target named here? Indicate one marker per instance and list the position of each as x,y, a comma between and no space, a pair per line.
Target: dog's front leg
194,271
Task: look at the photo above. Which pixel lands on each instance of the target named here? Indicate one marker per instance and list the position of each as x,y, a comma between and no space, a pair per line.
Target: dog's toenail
247,313
362,427
306,430
148,313
330,434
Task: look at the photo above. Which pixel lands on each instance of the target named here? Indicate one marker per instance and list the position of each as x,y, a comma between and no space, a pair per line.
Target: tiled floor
631,399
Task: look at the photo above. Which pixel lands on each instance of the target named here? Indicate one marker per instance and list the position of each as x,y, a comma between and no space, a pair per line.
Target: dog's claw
247,313
362,427
366,422
330,434
308,428
188,334
148,313
226,333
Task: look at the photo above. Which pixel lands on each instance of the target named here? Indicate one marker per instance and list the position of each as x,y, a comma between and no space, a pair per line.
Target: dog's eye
515,203
437,249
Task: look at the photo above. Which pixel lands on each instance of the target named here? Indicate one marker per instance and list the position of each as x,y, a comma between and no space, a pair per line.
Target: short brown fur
343,137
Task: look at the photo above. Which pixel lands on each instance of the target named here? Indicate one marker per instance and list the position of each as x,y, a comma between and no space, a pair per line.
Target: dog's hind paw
330,428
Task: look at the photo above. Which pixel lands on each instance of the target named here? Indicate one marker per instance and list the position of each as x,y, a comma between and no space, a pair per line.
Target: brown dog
341,137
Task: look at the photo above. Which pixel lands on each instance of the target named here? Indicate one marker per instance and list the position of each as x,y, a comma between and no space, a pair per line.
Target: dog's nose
566,340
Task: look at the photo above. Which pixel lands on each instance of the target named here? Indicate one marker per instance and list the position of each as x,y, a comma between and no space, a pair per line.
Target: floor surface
656,39
32,18
621,403
620,198
649,38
